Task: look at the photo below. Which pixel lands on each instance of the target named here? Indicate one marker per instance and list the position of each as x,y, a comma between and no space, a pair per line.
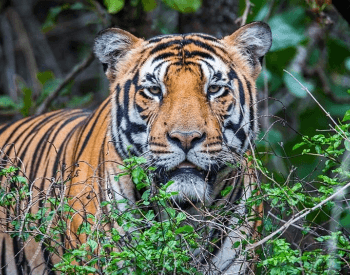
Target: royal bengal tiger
186,102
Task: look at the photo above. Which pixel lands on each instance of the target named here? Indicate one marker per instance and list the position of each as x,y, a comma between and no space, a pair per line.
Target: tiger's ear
252,41
111,44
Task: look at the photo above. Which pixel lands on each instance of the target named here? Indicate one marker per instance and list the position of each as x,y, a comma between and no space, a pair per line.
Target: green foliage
287,198
149,5
51,18
285,260
184,6
287,29
114,6
7,103
149,247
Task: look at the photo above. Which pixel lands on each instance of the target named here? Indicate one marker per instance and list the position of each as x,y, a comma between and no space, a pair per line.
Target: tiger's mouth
187,167
191,182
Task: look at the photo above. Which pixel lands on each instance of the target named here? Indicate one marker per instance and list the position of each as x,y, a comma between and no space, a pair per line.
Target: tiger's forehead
187,50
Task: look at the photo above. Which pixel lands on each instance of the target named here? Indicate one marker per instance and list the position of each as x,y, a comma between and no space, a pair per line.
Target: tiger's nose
186,140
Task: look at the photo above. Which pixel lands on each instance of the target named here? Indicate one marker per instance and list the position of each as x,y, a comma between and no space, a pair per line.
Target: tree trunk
214,17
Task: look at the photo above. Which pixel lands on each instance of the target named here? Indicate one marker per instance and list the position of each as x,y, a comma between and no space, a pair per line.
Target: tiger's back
38,146
187,103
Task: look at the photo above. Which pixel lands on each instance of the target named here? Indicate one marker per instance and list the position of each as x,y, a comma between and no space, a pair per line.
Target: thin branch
299,216
294,225
74,73
243,18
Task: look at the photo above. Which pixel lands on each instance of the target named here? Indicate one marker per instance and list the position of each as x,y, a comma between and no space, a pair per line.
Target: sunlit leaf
184,6
114,6
226,191
186,229
296,146
346,116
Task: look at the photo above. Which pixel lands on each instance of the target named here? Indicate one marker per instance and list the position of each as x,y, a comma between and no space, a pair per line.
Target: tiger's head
187,103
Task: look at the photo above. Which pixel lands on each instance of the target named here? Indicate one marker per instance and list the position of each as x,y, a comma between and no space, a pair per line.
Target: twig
299,216
294,225
243,18
78,69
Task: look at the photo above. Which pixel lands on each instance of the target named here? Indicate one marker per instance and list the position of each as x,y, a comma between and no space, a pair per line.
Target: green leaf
92,244
149,5
184,6
50,21
226,191
43,77
186,229
114,6
346,116
150,215
296,146
7,103
236,244
181,217
286,32
347,145
27,101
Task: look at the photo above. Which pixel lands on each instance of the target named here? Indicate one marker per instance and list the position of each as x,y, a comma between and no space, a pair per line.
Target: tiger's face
187,103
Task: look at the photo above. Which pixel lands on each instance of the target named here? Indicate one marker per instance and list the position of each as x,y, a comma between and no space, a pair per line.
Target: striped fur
187,103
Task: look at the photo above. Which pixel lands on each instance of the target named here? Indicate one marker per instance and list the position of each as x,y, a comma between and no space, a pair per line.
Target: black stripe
251,107
163,46
3,263
92,129
48,262
163,56
199,44
39,150
159,38
198,53
61,128
62,149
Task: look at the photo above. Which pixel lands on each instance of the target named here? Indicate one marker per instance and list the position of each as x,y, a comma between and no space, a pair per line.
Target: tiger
187,103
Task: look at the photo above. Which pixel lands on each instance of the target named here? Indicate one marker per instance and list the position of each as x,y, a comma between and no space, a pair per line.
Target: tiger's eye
214,88
155,90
